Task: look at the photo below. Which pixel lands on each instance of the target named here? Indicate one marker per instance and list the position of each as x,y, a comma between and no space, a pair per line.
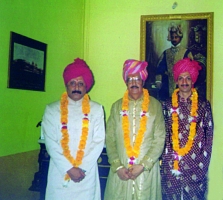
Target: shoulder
117,105
118,102
204,103
167,104
154,105
96,107
167,101
52,109
53,105
95,104
153,101
167,50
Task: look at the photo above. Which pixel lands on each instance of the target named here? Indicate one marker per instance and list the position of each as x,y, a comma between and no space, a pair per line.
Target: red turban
186,65
76,69
134,66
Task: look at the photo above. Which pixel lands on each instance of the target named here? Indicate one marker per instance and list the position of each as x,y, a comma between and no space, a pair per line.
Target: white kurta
89,187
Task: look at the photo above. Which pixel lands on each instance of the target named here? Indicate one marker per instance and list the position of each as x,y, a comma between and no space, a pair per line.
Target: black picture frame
27,63
153,42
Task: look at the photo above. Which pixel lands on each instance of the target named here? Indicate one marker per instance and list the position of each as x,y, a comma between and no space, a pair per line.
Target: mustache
134,86
76,91
184,85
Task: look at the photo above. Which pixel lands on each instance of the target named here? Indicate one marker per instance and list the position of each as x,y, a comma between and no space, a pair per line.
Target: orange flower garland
182,151
133,152
65,135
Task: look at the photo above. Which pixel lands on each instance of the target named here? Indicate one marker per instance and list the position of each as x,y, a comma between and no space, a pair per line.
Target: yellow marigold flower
81,153
176,165
65,135
82,142
131,151
175,126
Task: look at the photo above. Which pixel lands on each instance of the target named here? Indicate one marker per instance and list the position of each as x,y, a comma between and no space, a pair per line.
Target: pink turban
186,65
76,69
134,66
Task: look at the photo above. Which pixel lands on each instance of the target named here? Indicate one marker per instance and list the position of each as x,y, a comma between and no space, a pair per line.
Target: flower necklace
133,152
182,151
65,135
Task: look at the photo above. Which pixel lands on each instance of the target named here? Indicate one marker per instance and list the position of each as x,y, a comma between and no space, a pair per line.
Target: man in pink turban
133,67
189,136
76,69
134,139
77,73
186,65
74,133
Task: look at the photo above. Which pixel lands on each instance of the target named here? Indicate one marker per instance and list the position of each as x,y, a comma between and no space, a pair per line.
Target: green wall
113,30
59,24
105,33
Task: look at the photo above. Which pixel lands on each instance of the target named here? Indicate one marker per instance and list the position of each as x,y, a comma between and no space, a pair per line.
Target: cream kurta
147,185
89,187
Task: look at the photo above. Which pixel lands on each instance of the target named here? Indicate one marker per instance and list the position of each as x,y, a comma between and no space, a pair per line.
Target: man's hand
135,171
123,174
76,174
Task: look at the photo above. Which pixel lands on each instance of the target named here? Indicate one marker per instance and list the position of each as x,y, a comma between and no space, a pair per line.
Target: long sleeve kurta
147,185
192,183
89,187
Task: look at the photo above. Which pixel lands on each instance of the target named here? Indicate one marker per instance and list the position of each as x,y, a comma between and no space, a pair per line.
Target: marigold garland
182,151
64,130
133,152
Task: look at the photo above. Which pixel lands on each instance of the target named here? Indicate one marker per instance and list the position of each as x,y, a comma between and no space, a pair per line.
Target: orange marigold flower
83,137
65,135
85,129
81,152
183,150
134,151
82,142
176,165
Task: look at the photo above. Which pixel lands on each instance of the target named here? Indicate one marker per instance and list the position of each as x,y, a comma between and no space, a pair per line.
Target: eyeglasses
74,84
135,79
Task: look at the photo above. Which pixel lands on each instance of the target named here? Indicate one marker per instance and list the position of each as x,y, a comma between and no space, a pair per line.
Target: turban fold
134,66
173,28
76,69
186,65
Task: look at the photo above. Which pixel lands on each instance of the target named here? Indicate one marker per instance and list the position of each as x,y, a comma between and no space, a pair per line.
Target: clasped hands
76,174
131,173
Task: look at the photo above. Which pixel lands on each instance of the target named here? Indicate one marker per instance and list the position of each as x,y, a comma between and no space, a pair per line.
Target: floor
16,176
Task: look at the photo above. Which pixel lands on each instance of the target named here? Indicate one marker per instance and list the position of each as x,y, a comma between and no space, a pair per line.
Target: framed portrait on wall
27,63
165,39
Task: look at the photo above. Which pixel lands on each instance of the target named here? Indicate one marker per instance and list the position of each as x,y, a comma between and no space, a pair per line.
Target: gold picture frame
197,37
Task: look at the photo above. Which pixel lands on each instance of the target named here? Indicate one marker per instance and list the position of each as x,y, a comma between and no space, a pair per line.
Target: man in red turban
189,136
76,69
186,65
74,134
79,72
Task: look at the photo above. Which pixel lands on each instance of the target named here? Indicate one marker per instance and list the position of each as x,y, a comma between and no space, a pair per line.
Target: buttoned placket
134,136
134,123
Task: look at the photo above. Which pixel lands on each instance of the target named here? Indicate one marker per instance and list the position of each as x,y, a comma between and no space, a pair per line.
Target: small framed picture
27,63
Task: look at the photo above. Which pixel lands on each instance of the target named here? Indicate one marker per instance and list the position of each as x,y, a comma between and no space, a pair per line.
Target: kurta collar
137,100
177,46
183,100
75,103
